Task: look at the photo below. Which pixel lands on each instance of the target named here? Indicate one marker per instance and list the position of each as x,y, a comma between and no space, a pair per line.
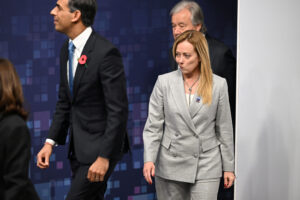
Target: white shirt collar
81,39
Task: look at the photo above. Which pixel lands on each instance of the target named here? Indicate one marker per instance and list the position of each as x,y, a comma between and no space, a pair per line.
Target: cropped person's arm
153,131
224,129
17,147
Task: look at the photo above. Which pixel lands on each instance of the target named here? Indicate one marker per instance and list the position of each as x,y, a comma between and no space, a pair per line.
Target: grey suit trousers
174,190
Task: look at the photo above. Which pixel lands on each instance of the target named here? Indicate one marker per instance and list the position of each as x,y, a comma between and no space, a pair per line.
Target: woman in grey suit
188,136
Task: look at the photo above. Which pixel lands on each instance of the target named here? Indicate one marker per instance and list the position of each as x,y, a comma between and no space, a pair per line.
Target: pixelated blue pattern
142,32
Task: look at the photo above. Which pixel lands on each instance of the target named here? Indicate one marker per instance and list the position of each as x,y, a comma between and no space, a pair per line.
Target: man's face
181,22
62,16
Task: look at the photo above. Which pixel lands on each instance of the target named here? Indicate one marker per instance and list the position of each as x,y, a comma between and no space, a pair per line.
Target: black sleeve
113,82
61,120
229,63
17,157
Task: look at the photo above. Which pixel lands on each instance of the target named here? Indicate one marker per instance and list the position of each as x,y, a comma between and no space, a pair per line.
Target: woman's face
187,58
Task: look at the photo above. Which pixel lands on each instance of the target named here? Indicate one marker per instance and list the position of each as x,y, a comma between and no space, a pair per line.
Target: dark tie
71,53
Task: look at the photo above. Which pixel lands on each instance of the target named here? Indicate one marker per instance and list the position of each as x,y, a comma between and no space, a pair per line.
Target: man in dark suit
188,15
92,104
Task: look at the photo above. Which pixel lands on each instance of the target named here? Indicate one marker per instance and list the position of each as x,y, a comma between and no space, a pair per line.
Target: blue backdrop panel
142,32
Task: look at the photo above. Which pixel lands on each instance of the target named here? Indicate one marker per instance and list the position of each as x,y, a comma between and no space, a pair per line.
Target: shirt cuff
50,141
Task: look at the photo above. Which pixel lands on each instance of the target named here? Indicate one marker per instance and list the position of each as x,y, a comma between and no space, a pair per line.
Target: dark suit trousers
81,187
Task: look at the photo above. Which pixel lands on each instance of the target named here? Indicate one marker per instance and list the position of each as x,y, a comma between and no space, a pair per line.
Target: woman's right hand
149,170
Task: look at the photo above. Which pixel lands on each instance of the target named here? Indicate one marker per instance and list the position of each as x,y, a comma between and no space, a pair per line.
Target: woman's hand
228,179
149,170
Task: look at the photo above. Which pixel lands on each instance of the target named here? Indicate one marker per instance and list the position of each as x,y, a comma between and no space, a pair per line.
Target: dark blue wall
142,32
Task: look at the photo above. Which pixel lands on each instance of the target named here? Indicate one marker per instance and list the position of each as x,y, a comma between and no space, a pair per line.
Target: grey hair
197,16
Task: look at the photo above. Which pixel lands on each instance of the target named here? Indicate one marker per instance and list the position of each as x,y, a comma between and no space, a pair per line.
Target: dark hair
87,8
197,16
11,94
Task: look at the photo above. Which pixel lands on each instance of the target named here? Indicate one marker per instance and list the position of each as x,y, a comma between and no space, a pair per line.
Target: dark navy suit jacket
97,111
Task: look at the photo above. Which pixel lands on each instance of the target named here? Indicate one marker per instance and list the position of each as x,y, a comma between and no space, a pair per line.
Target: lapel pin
82,60
198,99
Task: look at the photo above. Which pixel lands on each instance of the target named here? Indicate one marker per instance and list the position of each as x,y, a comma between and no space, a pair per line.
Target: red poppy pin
82,60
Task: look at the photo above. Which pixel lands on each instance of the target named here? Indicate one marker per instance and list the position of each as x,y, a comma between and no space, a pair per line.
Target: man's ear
76,16
198,27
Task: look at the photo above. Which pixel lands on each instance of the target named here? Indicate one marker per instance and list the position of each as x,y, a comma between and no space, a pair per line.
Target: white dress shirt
189,98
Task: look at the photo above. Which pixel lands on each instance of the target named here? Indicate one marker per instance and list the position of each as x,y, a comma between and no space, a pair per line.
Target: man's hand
228,179
98,170
44,155
149,170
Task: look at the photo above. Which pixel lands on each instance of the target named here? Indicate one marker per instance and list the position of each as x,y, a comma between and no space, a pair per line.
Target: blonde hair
199,42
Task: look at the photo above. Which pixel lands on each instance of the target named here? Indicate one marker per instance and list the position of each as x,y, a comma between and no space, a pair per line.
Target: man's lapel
173,64
64,60
89,46
211,54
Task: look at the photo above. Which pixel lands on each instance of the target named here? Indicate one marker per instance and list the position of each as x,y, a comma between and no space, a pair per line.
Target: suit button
176,135
196,155
196,136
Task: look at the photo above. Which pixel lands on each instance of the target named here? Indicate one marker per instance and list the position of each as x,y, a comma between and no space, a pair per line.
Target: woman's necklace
190,88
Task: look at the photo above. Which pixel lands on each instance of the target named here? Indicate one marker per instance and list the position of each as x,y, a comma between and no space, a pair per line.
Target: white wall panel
268,105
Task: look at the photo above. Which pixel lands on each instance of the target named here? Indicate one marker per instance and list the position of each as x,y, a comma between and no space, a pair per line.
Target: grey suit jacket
188,143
